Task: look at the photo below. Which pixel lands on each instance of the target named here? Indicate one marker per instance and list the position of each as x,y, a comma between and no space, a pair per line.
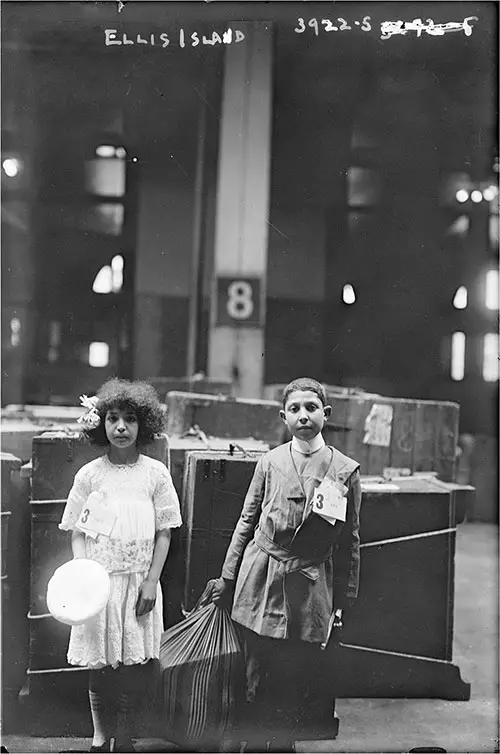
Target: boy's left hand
338,622
147,597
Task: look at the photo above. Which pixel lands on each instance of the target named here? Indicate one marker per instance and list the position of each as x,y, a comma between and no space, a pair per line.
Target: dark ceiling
316,78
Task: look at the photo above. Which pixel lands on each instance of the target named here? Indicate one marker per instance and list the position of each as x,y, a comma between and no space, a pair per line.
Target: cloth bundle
78,591
201,675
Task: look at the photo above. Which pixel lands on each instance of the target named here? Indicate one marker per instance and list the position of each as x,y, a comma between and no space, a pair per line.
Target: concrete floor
398,725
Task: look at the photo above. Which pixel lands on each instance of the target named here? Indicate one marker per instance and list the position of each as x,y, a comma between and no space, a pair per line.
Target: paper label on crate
329,501
97,516
378,425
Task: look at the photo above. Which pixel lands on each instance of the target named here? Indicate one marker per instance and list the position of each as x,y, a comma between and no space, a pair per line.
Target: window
117,273
103,282
457,356
11,166
109,279
54,341
105,176
459,226
490,357
107,150
98,354
460,298
362,138
491,292
494,234
15,332
104,217
348,294
363,187
105,180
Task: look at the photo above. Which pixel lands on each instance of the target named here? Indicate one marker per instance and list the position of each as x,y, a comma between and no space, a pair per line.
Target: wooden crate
21,423
214,490
408,533
164,385
420,435
17,437
224,417
15,581
181,447
398,638
180,450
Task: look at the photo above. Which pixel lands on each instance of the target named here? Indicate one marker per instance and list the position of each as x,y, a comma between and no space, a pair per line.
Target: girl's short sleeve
166,502
77,497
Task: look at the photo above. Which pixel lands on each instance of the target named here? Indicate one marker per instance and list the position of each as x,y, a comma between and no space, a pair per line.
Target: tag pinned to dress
98,516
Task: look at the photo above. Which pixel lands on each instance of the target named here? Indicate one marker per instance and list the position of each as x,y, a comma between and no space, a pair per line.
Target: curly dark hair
305,383
139,397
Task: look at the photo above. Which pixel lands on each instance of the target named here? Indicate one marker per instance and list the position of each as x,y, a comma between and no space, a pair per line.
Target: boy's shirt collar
308,447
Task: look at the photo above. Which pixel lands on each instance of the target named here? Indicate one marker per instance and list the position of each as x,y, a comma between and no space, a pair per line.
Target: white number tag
97,516
329,501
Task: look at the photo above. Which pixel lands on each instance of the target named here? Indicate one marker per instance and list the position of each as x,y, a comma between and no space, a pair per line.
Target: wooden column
236,337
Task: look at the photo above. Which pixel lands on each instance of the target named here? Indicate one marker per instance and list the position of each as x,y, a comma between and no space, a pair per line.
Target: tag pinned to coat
330,501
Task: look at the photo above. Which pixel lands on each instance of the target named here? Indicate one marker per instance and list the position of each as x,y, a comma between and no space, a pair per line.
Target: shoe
105,747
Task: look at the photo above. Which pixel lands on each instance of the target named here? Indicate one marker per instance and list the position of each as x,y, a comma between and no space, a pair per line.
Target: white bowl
78,591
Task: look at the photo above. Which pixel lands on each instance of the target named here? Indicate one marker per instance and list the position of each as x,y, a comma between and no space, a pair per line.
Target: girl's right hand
222,592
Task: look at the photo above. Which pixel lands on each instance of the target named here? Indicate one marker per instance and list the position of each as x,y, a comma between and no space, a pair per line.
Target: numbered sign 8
238,301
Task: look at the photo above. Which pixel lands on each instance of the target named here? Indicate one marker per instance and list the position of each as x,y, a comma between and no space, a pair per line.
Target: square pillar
236,337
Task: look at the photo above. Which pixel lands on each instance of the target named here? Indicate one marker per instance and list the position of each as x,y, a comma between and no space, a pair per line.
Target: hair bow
91,419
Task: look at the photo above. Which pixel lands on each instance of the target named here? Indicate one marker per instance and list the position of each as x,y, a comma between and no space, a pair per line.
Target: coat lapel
283,462
341,467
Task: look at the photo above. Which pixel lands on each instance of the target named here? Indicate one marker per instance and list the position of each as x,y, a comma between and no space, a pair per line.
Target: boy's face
304,414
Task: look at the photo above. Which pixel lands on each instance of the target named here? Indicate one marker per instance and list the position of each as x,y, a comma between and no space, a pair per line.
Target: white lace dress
145,501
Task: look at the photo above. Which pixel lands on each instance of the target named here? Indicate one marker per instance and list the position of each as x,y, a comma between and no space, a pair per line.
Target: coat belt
288,561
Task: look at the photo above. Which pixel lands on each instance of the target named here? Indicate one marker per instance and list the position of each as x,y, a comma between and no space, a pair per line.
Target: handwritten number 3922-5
328,25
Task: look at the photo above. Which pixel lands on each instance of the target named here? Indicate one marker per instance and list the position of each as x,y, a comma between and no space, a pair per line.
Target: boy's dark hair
139,397
305,383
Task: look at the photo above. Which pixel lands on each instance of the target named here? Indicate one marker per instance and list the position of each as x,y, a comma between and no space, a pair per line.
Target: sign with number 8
238,301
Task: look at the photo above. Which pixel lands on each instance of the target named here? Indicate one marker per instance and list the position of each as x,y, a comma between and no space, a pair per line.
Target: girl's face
121,427
304,414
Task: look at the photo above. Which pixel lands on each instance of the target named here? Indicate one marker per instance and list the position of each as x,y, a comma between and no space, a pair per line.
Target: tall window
458,356
490,357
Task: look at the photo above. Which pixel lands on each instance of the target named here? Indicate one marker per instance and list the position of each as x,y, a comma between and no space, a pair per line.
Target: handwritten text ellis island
182,38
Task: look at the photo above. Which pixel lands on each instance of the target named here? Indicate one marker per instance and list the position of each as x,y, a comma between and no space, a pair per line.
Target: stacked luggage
411,507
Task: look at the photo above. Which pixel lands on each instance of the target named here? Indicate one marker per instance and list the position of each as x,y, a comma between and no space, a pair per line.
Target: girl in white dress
130,500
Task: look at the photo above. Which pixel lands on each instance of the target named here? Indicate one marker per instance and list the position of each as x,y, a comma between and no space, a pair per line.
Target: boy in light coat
293,565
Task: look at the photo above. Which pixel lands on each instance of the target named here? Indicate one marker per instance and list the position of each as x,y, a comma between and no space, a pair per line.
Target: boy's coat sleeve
346,557
247,522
